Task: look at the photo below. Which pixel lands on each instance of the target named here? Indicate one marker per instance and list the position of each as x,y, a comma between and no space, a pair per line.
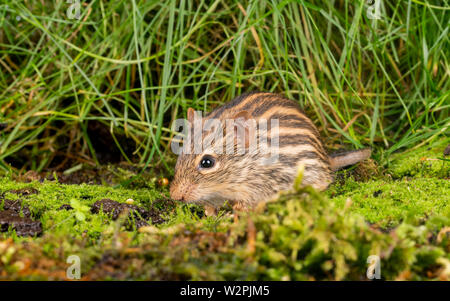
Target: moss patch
425,161
387,202
302,236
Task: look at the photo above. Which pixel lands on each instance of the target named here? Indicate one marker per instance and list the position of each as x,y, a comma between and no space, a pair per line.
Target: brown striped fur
244,179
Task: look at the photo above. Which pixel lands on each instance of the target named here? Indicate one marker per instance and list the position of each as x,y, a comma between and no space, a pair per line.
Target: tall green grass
135,66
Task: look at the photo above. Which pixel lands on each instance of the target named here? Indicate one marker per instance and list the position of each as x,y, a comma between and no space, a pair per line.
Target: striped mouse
242,174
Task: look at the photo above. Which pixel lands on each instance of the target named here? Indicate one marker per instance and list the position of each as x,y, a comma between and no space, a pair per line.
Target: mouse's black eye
207,162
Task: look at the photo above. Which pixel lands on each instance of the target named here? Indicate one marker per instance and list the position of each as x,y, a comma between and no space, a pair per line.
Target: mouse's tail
339,160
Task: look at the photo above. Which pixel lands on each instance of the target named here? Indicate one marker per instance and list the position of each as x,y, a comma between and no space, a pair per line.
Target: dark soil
361,172
17,217
140,215
110,174
447,150
22,225
65,207
88,175
25,191
377,193
15,206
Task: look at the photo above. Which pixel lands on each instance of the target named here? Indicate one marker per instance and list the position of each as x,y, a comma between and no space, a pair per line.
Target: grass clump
127,69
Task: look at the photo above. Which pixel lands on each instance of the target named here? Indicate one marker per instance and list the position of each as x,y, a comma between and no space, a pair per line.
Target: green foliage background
135,66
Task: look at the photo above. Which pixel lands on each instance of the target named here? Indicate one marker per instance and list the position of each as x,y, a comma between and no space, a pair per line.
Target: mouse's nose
181,192
178,198
175,194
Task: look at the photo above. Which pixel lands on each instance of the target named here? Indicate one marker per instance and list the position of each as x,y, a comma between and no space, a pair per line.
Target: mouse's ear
190,115
244,128
245,115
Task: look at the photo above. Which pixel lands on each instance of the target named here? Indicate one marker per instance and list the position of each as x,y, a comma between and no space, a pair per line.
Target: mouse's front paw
210,211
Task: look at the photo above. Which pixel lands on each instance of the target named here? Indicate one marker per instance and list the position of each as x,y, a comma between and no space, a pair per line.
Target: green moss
425,161
302,236
52,195
309,238
388,202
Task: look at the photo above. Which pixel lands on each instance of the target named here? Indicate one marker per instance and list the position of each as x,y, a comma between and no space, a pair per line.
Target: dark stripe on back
217,112
293,139
295,123
270,102
293,160
299,139
292,120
